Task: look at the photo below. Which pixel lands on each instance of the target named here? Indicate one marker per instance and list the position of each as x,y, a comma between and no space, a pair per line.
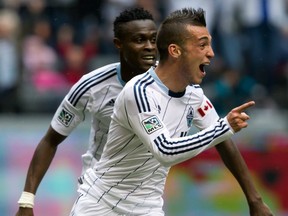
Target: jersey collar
163,87
118,70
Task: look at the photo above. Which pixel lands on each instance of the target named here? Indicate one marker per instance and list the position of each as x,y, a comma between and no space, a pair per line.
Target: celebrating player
151,119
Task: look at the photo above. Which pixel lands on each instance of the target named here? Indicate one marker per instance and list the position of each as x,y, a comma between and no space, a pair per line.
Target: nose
210,52
150,45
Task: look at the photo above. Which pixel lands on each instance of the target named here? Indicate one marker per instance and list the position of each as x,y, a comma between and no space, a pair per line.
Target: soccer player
151,119
96,92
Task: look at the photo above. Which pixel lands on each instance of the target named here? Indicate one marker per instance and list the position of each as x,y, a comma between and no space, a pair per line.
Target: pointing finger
244,106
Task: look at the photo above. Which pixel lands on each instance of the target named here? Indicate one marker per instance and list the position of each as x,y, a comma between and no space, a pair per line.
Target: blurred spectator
30,12
74,64
210,6
262,21
9,61
64,39
11,4
233,88
41,77
242,40
91,41
155,7
110,9
39,64
230,38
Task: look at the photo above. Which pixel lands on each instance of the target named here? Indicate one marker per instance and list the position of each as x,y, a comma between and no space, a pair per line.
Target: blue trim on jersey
158,81
88,83
185,145
164,88
140,92
119,77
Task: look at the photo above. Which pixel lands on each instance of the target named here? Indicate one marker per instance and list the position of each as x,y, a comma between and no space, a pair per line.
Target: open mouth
201,67
149,58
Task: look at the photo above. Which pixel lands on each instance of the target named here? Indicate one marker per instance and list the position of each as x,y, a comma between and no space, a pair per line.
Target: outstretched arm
40,163
237,166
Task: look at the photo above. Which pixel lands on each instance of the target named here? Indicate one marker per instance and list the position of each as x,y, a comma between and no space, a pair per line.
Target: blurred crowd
47,45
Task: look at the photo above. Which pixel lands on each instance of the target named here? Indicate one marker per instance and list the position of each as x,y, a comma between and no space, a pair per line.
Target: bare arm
40,163
42,159
237,166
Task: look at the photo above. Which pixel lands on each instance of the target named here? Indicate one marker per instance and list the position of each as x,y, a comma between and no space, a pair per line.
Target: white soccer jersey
96,93
149,130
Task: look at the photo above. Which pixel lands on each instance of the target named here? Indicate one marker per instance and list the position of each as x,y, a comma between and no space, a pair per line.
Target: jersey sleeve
70,114
146,123
205,114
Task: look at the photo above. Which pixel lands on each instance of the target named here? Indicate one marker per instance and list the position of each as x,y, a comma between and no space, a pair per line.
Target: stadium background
72,37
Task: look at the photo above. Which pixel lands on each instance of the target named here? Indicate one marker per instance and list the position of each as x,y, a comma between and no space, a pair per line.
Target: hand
260,209
237,118
25,212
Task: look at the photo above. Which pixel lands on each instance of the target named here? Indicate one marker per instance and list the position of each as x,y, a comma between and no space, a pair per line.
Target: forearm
39,165
173,150
237,166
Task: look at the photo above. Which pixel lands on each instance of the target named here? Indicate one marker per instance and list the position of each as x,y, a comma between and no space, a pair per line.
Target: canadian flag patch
205,108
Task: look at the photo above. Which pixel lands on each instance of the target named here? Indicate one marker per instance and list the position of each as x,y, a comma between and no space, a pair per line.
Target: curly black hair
129,15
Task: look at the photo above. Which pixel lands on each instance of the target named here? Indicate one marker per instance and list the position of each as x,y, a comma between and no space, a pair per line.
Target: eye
153,40
139,40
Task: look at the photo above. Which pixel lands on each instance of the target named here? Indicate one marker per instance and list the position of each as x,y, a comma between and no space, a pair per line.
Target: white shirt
96,93
147,135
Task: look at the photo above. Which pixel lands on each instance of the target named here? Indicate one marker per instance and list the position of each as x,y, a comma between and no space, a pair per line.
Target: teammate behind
96,92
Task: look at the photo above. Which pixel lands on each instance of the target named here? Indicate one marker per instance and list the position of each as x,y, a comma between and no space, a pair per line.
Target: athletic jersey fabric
94,93
148,134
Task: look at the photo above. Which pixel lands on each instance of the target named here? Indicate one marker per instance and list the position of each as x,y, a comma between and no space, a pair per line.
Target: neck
127,73
168,74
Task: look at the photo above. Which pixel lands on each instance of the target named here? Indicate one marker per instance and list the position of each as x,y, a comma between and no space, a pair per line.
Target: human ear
117,43
174,50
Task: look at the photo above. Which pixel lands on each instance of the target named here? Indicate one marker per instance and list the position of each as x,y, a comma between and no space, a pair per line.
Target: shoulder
195,89
139,81
93,82
105,71
97,76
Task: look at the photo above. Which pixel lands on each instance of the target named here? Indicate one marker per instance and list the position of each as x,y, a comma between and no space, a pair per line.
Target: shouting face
196,53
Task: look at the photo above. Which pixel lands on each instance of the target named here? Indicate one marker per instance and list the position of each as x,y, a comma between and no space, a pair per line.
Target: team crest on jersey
152,124
190,116
65,117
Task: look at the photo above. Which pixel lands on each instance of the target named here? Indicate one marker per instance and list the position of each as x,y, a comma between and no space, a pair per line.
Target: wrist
26,200
227,122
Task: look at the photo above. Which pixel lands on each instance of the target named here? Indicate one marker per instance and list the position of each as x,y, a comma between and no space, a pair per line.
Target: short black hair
129,15
174,28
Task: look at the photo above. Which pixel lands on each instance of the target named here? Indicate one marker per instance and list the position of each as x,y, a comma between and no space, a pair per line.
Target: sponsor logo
111,102
152,124
65,117
190,116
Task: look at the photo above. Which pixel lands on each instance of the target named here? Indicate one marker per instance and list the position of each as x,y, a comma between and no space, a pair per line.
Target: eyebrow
205,38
